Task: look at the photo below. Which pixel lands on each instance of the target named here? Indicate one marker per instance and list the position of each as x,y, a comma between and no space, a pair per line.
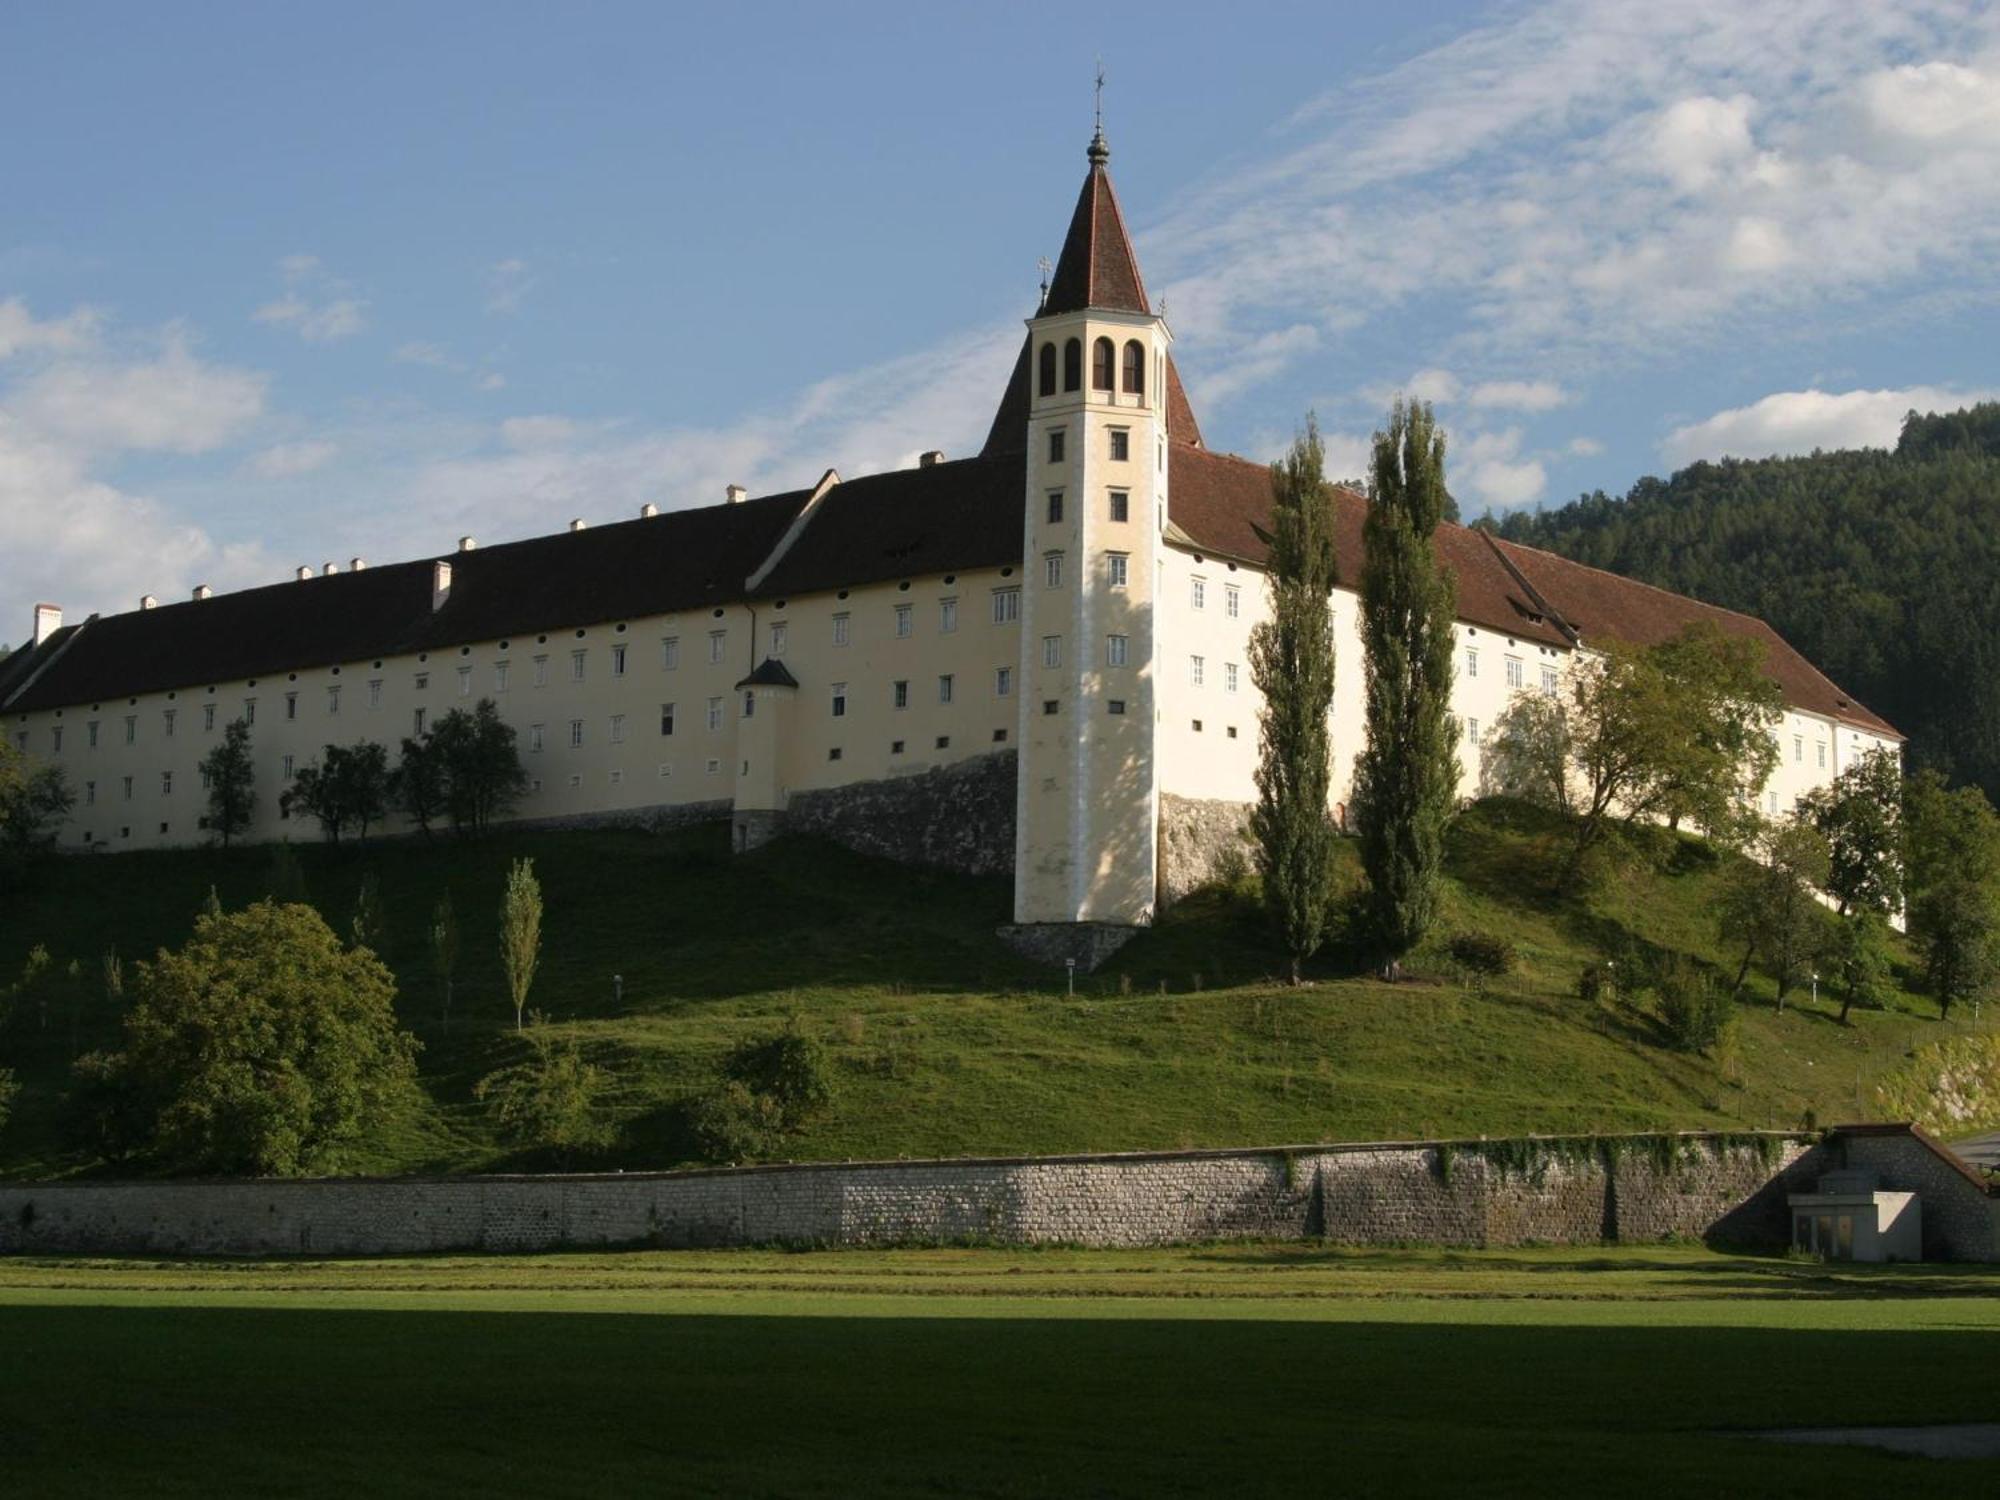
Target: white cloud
314,305
1583,447
1489,466
1518,395
433,356
20,333
290,460
1693,141
173,403
1800,421
1933,102
507,282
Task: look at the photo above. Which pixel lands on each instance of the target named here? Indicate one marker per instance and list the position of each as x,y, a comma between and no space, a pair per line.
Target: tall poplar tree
1406,782
1291,662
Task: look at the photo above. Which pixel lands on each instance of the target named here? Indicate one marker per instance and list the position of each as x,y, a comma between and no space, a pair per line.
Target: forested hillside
1883,567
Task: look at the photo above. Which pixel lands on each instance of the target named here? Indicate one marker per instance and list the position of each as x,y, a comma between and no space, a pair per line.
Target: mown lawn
945,1043
1247,1369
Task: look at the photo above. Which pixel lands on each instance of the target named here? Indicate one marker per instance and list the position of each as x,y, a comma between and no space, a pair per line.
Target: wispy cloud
290,460
507,282
22,334
318,307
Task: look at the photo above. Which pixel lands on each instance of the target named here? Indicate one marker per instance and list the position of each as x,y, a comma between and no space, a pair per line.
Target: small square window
1051,705
834,753
1115,706
1232,731
999,736
895,747
944,742
1197,726
1121,444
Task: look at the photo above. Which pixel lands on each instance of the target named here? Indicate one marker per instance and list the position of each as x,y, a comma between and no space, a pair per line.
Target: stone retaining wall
1407,1193
1201,841
958,817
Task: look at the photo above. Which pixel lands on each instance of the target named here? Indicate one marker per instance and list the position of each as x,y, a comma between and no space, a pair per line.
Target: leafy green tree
1861,814
554,1098
419,785
230,774
1678,729
261,1046
483,774
444,950
520,933
349,788
1770,905
1292,665
1952,854
34,801
370,927
1406,779
1859,959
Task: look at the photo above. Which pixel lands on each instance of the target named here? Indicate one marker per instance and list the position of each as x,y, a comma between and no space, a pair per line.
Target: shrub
553,1098
8,1089
1590,984
1482,955
734,1123
1694,1013
790,1069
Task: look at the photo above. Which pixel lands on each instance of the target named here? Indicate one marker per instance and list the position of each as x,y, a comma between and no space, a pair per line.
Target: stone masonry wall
958,817
1201,841
1961,1218
1387,1194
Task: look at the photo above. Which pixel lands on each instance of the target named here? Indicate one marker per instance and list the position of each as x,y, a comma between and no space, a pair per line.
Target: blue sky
282,285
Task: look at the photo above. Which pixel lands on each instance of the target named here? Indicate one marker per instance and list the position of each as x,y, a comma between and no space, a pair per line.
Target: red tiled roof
1097,267
1220,501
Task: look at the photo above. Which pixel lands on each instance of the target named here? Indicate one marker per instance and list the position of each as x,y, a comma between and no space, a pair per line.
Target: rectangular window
1548,678
1051,650
1055,507
1197,593
1056,446
840,630
618,660
1232,600
465,682
1471,662
417,723
541,671
128,788
1052,570
90,729
670,653
131,729
1513,671
1472,730
167,716
1229,677
906,623
1006,606
1798,747
249,710
423,682
1003,682
288,769
576,665
1121,505
780,635
944,688
374,696
947,616
166,783
500,677
666,718
207,721
1121,444
1197,670
900,693
1117,569
618,729
840,700
332,707
1822,755
575,734
90,794
537,738
55,740
714,715
1197,726
749,704
716,640
1114,650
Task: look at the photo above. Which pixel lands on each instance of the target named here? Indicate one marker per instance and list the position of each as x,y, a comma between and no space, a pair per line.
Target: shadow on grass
1076,1398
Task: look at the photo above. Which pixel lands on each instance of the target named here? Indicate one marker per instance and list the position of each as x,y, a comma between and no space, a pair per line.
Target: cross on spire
1099,153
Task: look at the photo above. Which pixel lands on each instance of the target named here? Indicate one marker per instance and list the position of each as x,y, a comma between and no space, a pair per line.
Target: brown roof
1220,502
1009,432
1097,267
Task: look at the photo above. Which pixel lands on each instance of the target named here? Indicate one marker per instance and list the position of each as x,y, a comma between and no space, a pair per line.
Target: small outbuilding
1849,1217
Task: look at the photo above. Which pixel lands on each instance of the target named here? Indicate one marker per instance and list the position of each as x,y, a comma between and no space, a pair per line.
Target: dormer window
1102,356
1135,368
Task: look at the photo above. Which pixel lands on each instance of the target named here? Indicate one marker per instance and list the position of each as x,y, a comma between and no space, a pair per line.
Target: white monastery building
1032,659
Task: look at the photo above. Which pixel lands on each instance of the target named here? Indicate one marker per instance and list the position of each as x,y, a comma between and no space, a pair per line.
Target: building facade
1066,613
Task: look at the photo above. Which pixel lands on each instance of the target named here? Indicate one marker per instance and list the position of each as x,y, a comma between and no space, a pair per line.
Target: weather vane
1045,268
1100,96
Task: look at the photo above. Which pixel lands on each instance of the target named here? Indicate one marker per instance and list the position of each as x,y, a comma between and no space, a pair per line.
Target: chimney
736,494
466,543
930,458
203,591
302,574
356,564
577,524
648,511
327,570
147,601
48,620
440,584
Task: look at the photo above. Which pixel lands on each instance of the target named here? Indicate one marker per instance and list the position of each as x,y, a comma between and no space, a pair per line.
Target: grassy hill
945,1043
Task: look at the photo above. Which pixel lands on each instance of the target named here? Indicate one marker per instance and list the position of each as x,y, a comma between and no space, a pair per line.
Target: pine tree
1291,662
1406,780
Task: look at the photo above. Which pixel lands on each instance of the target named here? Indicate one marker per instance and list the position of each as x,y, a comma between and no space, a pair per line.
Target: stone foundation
958,817
1056,943
1202,841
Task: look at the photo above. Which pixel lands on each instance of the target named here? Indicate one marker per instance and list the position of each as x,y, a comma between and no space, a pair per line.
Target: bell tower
1096,373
